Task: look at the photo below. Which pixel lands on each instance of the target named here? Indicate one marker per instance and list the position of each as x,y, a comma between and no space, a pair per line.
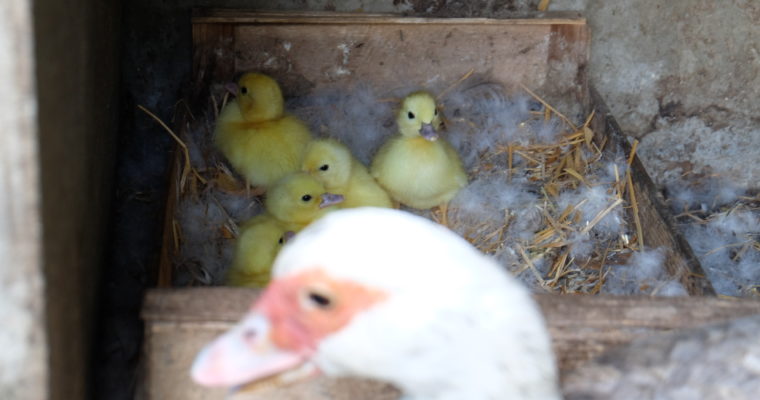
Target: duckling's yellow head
259,97
299,198
419,116
329,161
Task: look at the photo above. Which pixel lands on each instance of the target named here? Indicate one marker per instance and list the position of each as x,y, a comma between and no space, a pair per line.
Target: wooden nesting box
306,52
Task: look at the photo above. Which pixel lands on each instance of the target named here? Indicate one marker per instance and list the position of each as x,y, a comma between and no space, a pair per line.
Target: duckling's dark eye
319,300
243,90
306,197
435,112
410,115
324,167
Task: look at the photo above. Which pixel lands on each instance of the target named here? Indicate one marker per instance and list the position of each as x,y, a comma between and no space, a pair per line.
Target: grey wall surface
23,351
684,78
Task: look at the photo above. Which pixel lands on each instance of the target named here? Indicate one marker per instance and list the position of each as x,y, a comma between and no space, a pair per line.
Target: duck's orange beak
244,354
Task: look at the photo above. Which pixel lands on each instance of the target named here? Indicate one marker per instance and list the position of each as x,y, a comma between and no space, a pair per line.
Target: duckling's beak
288,236
329,199
232,88
243,354
428,132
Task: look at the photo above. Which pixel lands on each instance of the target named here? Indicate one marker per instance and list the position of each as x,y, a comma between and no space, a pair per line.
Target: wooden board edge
690,274
581,327
213,59
225,304
235,16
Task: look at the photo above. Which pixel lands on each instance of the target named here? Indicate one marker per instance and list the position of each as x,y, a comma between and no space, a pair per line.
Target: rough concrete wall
684,77
23,352
77,84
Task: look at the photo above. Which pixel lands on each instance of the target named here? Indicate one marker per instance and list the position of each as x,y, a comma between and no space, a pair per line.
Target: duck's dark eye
320,300
324,167
410,115
243,90
435,112
281,241
306,197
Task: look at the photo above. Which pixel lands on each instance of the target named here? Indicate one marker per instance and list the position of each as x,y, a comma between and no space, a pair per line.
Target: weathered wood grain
224,16
180,321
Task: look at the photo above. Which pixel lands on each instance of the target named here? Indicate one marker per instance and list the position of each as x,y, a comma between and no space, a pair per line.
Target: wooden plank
220,304
180,321
225,16
567,75
306,58
657,222
307,51
226,305
213,59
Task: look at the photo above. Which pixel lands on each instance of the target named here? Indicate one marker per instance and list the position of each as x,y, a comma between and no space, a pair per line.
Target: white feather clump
201,256
581,245
207,217
491,202
644,273
205,224
726,248
611,170
704,196
359,118
591,202
482,117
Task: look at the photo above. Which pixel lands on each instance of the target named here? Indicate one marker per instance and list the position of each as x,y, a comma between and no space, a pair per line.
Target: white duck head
387,295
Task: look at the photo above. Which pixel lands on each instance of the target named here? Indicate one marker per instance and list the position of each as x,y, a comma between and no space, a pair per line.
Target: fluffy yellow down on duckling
417,167
258,243
332,163
260,140
298,199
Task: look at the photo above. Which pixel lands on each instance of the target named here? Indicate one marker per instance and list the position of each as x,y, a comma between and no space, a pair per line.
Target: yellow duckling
417,167
298,199
260,239
260,140
332,164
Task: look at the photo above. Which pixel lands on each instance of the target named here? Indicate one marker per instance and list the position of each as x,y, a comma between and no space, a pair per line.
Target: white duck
383,294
